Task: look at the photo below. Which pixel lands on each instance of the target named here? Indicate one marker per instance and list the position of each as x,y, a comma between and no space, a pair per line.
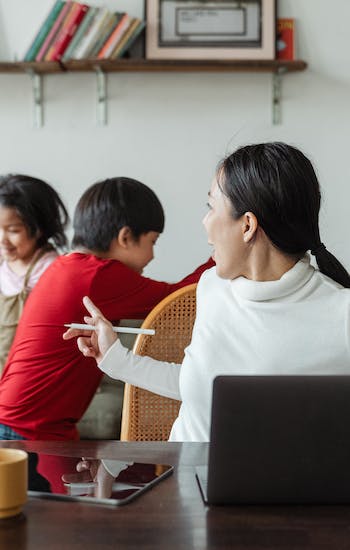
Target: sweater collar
290,282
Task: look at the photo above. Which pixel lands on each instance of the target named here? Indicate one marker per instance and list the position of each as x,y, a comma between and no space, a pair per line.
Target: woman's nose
204,220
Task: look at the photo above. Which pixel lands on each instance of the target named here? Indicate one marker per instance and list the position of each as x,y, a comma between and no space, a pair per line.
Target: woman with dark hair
263,309
47,384
32,224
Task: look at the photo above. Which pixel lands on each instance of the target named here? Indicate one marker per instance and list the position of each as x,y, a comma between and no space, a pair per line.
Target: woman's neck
272,271
267,263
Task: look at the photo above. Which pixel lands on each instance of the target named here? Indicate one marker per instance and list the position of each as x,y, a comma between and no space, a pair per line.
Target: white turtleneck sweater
297,325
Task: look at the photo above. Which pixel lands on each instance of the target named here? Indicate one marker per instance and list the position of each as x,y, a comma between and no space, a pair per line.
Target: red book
53,32
285,39
67,31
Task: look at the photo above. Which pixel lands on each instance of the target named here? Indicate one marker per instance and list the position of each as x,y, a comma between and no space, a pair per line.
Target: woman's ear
249,226
125,237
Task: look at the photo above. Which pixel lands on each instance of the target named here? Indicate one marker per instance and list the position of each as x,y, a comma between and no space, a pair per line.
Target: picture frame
211,29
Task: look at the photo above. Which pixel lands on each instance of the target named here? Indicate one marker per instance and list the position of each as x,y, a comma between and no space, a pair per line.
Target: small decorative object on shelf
73,30
211,29
286,39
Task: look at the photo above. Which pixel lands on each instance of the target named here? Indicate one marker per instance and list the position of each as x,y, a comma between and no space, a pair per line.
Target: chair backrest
147,416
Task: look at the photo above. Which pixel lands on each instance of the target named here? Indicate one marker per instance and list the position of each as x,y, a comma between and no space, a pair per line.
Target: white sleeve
157,376
114,467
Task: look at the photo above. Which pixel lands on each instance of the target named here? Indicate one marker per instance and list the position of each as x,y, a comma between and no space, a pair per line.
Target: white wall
170,130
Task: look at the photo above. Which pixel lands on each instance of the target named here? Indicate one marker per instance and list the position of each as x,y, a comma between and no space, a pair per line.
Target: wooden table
170,516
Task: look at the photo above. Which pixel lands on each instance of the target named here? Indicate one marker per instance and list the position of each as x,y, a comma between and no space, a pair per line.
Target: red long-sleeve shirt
47,384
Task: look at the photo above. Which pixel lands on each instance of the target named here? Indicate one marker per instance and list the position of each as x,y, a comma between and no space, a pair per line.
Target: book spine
115,37
78,36
106,32
51,36
126,35
129,41
43,31
68,30
63,25
85,43
95,33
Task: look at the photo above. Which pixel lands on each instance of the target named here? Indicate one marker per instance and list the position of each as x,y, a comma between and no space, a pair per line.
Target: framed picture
211,29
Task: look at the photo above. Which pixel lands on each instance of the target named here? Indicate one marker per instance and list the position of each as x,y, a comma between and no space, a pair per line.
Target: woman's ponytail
330,266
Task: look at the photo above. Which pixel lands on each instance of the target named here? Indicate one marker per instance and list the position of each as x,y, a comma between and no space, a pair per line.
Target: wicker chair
147,416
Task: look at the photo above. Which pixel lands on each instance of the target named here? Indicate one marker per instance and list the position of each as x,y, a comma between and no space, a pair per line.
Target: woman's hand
92,470
94,343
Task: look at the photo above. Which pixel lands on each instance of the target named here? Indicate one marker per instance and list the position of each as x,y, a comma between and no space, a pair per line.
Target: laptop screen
280,439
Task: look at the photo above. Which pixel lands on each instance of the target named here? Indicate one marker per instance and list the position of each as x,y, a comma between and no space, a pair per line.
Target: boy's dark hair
109,205
38,205
278,184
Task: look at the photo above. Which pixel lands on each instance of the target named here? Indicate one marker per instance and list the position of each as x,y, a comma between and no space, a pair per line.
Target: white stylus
128,330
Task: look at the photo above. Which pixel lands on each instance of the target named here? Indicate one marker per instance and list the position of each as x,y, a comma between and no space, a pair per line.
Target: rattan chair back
147,416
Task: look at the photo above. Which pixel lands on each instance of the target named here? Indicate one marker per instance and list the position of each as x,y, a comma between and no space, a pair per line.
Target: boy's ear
125,236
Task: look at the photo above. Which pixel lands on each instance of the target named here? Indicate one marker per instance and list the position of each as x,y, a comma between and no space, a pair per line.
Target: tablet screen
97,481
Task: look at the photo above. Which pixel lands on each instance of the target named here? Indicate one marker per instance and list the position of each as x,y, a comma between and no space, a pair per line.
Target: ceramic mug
13,481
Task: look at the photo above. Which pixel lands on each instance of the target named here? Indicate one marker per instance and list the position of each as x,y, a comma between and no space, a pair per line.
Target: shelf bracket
38,99
101,111
277,96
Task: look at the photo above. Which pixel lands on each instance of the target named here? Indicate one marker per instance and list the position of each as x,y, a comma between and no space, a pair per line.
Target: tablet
90,480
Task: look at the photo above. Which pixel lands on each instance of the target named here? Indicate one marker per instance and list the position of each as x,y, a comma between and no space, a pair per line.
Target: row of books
73,30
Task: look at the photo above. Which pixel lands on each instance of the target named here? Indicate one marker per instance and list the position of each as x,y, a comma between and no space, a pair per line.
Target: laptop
278,439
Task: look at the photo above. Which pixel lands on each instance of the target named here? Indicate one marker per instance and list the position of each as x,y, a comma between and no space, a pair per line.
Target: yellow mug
13,481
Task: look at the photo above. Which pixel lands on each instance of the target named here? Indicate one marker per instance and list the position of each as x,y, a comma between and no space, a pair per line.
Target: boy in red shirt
47,384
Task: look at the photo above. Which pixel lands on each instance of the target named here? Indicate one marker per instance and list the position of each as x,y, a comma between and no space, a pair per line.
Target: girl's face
15,240
225,235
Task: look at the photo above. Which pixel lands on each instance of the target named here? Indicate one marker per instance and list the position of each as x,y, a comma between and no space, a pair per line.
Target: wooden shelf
148,65
37,70
23,67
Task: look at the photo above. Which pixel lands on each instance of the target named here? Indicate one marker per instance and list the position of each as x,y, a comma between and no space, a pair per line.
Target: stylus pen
128,330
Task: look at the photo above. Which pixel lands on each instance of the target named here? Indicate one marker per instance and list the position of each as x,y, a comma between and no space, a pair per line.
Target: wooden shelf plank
42,67
148,65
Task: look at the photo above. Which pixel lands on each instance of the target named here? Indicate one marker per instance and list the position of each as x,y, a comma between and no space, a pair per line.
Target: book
80,47
105,33
127,33
92,34
47,56
79,34
67,31
116,35
128,39
100,32
285,38
53,31
43,31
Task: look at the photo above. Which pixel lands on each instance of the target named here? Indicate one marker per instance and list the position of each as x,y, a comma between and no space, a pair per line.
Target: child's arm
122,293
